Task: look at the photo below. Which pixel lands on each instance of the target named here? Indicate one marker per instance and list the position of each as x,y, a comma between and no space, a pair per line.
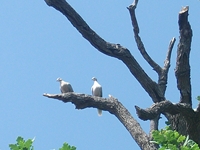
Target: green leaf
185,148
162,148
67,147
13,147
172,147
169,139
198,98
181,138
28,143
22,144
20,139
195,147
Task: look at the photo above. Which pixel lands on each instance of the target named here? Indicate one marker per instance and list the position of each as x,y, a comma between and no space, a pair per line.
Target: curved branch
112,105
167,61
138,40
163,76
113,50
165,107
182,70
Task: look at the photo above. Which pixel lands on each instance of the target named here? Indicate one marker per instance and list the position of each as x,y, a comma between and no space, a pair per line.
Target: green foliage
27,145
168,139
67,147
22,144
198,98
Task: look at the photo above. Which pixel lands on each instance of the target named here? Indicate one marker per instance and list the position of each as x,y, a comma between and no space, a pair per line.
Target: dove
97,91
65,86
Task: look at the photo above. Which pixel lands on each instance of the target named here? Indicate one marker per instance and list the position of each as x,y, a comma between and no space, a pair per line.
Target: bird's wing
100,92
66,87
70,88
97,90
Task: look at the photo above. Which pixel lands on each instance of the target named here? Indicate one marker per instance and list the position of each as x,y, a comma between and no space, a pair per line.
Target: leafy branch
27,145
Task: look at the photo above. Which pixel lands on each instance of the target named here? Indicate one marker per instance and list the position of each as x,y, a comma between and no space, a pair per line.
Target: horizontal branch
112,105
165,107
82,101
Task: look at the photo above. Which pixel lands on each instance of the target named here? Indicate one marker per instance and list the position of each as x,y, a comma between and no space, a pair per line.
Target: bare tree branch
162,73
113,50
138,40
162,82
182,70
163,76
112,105
165,107
167,61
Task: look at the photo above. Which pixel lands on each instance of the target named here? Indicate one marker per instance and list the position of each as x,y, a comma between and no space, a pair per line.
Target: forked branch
162,72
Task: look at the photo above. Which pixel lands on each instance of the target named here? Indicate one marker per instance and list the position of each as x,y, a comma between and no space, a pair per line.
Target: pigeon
97,91
65,86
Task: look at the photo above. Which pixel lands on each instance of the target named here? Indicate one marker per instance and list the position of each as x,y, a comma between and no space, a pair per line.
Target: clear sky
38,44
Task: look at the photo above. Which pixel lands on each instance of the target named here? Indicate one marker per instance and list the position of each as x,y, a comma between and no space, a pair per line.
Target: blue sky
38,44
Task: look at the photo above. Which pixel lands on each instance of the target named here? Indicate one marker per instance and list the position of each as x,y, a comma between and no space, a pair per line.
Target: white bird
97,91
65,86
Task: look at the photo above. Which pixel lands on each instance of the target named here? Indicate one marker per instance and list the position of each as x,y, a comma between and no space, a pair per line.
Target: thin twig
138,40
163,76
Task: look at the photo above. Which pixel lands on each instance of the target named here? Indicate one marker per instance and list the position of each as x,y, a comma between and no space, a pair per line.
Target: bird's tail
99,112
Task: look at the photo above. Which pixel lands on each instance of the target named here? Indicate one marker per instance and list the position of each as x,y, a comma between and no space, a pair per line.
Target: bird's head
59,79
94,79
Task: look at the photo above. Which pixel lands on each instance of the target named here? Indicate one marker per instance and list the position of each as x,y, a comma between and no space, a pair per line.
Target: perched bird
97,91
65,86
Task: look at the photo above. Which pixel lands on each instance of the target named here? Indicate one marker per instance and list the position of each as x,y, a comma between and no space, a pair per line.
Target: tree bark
182,70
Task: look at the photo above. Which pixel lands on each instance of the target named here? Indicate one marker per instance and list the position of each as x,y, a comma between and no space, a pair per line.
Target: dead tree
181,115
